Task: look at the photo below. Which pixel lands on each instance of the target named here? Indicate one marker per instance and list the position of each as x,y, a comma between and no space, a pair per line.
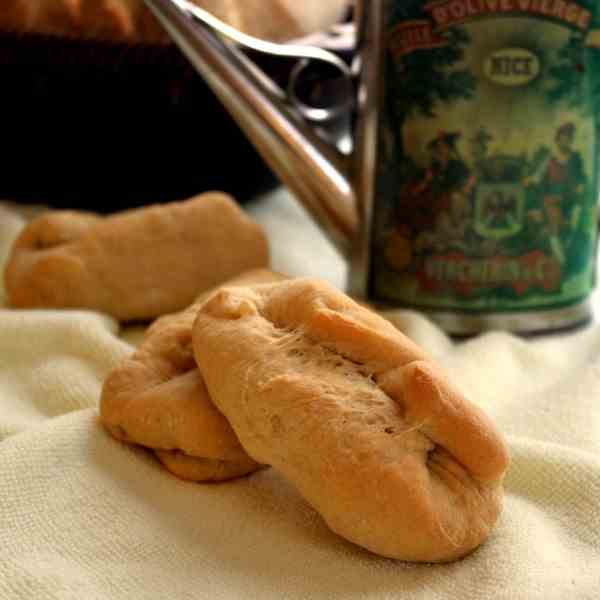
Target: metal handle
328,102
317,173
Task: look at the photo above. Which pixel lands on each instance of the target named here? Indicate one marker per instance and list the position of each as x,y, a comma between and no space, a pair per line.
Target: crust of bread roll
15,15
205,470
135,265
357,416
131,21
276,20
157,399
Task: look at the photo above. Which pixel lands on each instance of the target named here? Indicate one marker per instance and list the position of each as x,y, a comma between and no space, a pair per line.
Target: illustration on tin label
487,179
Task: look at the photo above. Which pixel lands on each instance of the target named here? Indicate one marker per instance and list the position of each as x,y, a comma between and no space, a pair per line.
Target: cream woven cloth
83,516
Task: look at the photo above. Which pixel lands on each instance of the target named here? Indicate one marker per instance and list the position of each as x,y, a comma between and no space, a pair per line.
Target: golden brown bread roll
130,20
139,264
357,416
156,398
98,19
276,20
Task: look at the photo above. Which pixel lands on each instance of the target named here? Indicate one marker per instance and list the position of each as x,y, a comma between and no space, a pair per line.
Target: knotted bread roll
134,265
130,20
358,417
157,399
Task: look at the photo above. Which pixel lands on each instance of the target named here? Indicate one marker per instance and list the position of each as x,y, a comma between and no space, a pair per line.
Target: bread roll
139,264
276,20
357,416
131,21
156,398
98,19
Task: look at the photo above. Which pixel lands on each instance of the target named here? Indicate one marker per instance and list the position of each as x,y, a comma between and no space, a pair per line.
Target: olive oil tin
485,206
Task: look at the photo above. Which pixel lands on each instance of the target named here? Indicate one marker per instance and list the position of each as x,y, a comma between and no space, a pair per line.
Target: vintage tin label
487,171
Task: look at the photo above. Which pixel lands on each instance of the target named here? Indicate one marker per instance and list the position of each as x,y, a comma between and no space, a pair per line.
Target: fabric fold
85,516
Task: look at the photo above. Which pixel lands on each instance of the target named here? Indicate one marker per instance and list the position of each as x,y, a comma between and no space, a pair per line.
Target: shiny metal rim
517,322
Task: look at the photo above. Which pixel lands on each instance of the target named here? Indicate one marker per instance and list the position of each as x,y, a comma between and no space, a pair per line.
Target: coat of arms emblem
499,210
500,198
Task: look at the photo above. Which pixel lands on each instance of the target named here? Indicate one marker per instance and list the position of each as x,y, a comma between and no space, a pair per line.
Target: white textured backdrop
83,516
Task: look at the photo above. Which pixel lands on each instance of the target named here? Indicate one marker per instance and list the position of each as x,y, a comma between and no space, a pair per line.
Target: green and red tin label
488,148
